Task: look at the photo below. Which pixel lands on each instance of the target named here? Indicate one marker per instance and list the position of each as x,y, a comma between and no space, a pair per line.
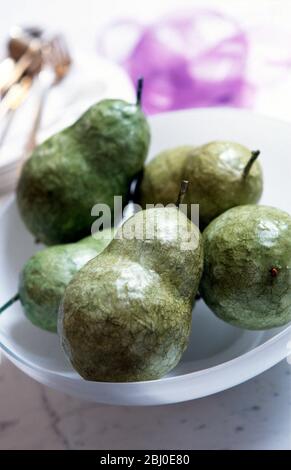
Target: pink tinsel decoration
192,59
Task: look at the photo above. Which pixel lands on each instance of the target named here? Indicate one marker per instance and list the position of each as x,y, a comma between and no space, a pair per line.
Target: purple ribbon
193,59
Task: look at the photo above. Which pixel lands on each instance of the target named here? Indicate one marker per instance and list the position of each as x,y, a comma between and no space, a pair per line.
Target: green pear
47,273
126,316
87,163
247,267
162,177
221,175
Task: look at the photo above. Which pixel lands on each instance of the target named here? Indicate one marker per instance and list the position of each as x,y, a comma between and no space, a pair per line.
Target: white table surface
254,415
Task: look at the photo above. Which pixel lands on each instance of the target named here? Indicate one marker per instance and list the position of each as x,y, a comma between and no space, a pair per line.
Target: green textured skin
241,247
46,275
85,164
127,317
163,175
215,173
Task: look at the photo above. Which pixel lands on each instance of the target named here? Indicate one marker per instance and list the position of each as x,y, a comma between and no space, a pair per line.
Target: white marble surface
255,415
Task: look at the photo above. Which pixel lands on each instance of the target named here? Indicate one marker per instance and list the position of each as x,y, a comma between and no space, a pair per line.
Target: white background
83,20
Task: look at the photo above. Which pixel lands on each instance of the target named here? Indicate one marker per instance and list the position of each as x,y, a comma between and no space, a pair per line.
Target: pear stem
274,272
139,91
183,190
9,303
254,156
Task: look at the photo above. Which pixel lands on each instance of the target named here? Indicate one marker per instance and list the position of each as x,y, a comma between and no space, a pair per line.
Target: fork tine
54,57
63,45
61,48
59,58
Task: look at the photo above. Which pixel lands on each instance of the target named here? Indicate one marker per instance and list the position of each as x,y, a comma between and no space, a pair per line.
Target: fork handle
31,142
20,67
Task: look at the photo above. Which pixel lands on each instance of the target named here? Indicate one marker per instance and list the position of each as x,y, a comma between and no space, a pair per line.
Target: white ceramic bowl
219,356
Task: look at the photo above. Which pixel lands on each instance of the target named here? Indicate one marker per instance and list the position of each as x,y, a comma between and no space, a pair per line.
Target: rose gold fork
57,65
14,98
